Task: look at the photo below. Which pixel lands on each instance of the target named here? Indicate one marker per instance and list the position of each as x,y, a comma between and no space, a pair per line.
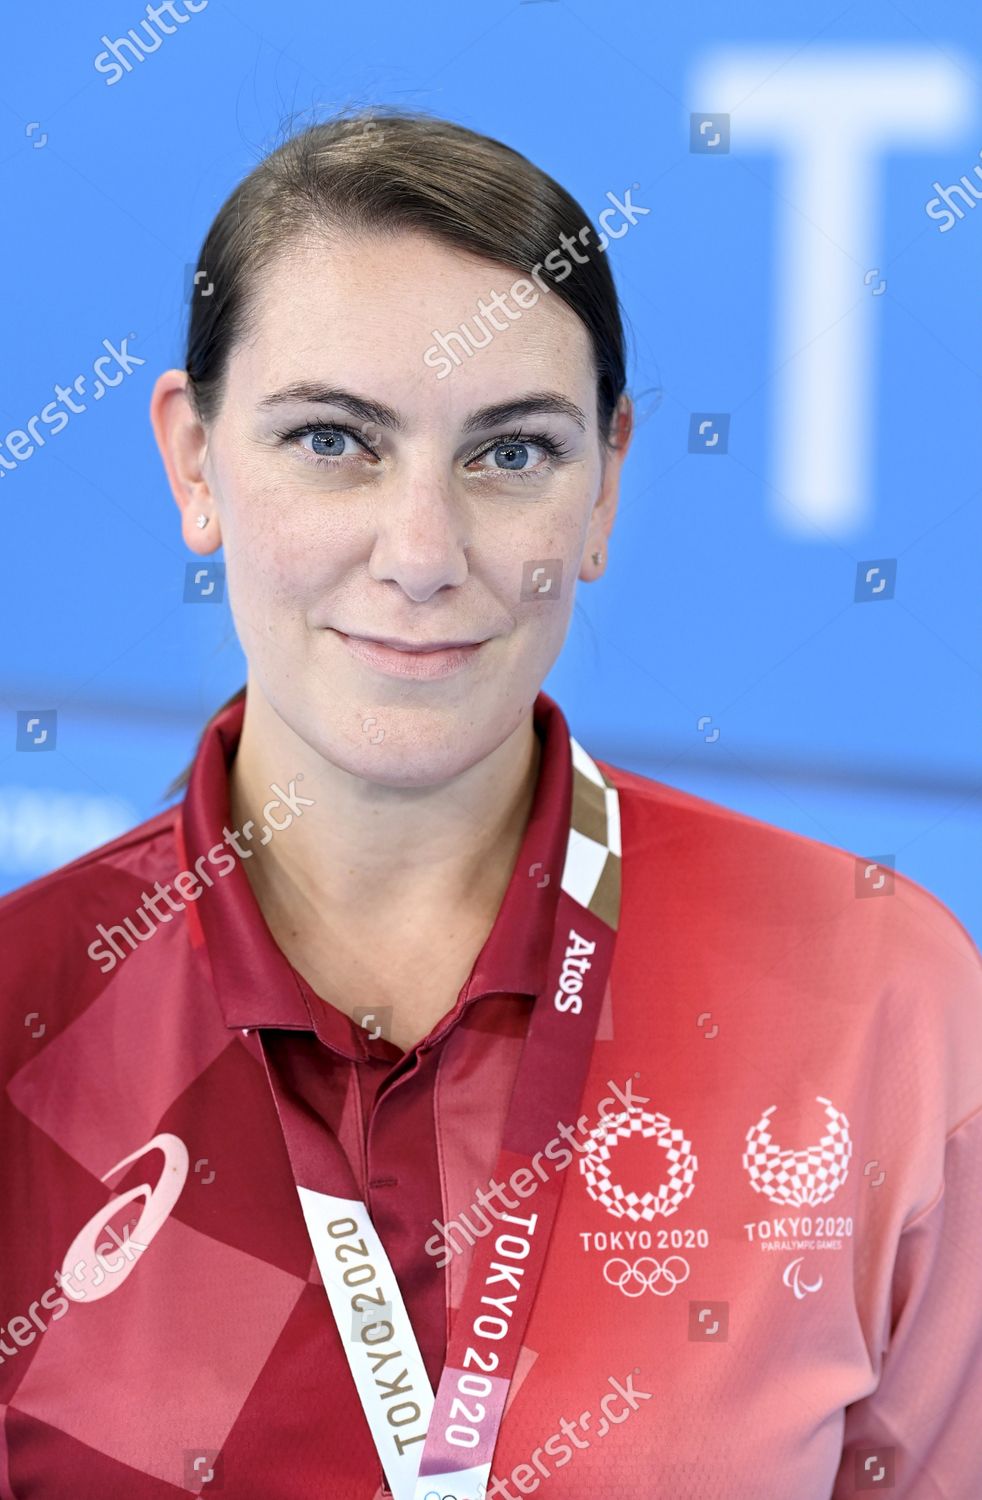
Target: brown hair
386,169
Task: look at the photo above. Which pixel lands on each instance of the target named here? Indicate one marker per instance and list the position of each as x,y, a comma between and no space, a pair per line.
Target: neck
366,851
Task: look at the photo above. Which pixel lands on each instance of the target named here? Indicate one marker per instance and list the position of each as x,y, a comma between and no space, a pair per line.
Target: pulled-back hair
386,170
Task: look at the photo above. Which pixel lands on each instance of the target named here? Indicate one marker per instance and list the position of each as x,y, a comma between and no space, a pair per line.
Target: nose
422,534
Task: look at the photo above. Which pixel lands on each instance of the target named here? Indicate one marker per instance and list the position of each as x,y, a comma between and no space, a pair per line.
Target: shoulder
131,854
760,908
733,847
47,926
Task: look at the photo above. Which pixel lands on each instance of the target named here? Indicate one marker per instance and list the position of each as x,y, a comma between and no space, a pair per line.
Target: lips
395,644
425,662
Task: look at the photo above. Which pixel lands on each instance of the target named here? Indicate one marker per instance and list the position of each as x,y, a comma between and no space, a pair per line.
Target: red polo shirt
764,1278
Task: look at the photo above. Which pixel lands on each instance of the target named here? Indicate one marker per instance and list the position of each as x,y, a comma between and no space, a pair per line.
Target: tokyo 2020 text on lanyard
443,1445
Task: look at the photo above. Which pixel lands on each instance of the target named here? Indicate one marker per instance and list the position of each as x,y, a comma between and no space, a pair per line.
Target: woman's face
420,517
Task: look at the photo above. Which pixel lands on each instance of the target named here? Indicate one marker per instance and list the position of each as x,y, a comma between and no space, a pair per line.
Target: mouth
423,661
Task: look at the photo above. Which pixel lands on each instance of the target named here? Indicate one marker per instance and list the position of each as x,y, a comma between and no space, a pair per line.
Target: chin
398,746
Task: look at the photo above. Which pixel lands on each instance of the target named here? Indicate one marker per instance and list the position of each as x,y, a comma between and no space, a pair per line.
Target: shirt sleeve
918,1435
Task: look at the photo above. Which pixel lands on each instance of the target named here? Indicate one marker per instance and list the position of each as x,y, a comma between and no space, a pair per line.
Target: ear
605,508
183,444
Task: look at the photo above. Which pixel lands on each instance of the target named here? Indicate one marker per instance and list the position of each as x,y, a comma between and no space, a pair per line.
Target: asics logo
87,1259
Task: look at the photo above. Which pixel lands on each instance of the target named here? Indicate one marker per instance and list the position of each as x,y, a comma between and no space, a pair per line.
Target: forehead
362,312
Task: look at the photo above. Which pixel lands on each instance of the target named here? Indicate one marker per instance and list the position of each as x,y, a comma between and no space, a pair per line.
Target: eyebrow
502,412
496,415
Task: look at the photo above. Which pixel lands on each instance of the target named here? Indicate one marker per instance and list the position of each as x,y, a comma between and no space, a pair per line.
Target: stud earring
598,558
201,522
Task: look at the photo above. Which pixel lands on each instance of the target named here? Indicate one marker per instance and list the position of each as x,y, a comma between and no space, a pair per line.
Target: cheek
550,557
278,550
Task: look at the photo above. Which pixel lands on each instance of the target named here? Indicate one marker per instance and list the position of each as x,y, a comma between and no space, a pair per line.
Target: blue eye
328,442
511,455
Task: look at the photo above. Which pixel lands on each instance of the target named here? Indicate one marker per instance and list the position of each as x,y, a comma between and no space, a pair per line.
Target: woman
422,1107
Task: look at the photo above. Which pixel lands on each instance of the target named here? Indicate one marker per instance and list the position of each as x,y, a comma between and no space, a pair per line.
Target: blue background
725,650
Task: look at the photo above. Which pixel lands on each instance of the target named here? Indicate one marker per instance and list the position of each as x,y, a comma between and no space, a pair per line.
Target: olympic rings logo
645,1281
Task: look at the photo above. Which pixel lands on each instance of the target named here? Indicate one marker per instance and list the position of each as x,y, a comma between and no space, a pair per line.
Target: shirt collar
255,983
